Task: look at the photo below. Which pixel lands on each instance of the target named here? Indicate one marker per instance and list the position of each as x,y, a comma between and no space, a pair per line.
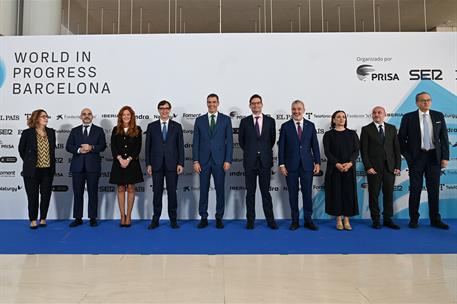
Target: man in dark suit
212,155
299,159
424,143
164,159
257,136
85,142
381,157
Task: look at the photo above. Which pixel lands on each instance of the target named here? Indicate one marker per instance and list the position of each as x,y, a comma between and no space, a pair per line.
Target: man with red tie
299,159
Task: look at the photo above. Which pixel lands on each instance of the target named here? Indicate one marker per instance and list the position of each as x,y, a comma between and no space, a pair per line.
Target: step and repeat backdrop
352,72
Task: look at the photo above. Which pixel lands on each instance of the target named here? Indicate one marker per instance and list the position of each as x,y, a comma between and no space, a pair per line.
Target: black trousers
264,174
425,164
171,177
384,179
79,180
39,185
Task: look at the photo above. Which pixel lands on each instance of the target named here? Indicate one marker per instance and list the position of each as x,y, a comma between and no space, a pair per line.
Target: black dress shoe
219,224
391,225
440,225
376,225
413,224
294,226
76,223
43,224
154,224
93,222
203,223
272,225
250,225
33,227
311,226
174,224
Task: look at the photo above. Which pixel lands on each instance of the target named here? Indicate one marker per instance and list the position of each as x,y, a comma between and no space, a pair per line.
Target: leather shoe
76,223
203,223
250,225
311,226
33,227
413,224
376,225
391,225
219,224
272,225
174,224
153,225
440,225
294,226
93,222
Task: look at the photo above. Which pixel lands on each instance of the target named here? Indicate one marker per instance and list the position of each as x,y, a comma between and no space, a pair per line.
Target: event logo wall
2,72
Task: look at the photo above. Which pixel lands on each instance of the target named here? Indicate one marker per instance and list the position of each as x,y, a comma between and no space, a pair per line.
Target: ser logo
430,74
366,72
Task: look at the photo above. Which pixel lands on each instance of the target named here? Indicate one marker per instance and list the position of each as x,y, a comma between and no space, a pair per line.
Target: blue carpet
109,238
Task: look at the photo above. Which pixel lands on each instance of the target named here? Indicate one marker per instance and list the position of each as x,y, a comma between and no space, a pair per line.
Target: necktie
426,133
85,131
381,133
213,123
299,130
164,131
257,127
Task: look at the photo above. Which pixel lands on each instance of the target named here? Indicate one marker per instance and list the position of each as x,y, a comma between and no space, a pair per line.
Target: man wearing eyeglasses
425,145
164,160
85,142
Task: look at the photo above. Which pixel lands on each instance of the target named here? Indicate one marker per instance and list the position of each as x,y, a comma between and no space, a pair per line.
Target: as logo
2,72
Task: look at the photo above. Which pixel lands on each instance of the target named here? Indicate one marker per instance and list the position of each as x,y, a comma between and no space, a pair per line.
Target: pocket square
437,122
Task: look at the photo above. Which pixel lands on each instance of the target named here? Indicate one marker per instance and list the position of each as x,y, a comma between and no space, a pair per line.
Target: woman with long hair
341,146
37,149
126,170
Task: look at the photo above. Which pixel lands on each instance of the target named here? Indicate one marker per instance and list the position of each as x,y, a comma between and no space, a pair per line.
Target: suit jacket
217,145
375,152
409,136
251,144
171,151
28,150
291,150
88,162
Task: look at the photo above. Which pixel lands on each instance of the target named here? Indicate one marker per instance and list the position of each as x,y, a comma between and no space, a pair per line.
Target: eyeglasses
86,114
425,100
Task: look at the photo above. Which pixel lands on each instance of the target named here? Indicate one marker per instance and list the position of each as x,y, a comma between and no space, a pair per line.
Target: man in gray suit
381,157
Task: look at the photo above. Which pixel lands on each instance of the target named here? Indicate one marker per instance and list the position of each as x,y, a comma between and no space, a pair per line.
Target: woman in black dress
341,147
126,169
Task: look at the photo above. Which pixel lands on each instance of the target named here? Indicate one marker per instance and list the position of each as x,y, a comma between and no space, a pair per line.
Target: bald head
378,114
86,116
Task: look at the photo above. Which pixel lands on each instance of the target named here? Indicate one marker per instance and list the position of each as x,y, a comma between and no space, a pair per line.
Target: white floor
228,279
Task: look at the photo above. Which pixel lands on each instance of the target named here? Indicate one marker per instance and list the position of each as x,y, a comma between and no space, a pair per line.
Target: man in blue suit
257,136
299,158
424,143
85,142
212,155
164,159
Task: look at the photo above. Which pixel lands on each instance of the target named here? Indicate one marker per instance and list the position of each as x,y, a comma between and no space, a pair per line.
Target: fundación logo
2,72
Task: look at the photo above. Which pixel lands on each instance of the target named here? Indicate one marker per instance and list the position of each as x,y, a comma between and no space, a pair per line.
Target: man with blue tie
85,142
299,159
424,143
164,152
212,154
257,136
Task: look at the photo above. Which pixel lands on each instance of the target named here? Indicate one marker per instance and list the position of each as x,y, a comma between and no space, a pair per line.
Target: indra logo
364,71
2,72
367,72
